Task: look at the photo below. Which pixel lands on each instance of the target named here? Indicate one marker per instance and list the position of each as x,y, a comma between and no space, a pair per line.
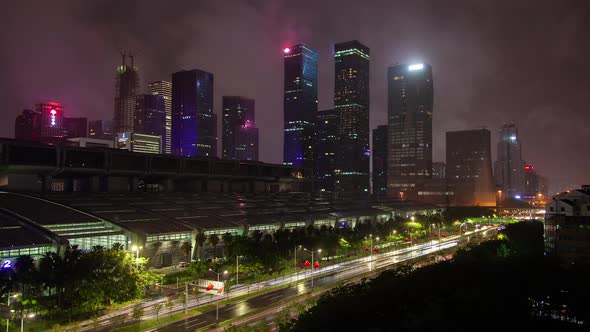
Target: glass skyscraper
194,131
127,87
240,135
379,154
150,116
164,89
509,167
300,107
327,124
351,102
410,100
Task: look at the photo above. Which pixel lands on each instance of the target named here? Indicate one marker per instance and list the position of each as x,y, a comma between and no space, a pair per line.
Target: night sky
493,61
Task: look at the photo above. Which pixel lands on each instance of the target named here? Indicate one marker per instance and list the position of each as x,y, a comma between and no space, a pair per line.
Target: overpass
36,167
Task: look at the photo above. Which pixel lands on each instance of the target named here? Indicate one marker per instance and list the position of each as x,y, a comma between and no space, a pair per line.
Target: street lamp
371,259
136,249
295,262
218,274
312,264
22,321
237,268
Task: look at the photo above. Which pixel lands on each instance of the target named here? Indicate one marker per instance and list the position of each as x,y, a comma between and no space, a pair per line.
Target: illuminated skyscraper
127,87
240,135
351,102
300,106
410,100
164,88
509,167
194,131
150,116
327,123
52,120
380,160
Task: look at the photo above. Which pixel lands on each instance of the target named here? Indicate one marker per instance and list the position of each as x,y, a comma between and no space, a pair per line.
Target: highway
299,283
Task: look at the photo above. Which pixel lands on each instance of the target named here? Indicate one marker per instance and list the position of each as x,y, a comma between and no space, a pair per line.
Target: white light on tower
417,66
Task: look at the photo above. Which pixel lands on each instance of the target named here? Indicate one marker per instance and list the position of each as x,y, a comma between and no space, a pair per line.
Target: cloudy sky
493,61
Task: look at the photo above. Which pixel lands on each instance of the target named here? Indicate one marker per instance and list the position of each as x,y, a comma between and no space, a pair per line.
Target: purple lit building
240,135
194,131
300,106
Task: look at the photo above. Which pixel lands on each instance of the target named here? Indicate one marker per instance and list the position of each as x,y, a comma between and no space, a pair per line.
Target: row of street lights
22,316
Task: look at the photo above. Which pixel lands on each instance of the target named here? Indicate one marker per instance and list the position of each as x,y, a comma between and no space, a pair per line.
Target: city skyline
485,100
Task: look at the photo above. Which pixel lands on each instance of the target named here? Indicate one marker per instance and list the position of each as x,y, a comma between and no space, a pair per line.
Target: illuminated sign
6,265
513,138
211,287
417,66
53,113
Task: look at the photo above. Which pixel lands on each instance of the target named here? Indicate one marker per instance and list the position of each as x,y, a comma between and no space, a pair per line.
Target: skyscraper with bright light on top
509,167
239,133
300,106
127,87
409,111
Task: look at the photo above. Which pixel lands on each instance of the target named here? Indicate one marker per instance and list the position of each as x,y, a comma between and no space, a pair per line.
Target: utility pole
186,298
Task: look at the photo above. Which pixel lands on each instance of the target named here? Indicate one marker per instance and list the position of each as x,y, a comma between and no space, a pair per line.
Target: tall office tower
150,116
351,101
469,167
410,99
380,161
326,125
164,88
300,107
439,170
52,120
194,131
75,127
101,129
27,126
240,135
509,167
127,87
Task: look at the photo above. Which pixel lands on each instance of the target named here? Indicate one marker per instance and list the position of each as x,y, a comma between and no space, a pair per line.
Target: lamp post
22,321
136,249
295,262
312,263
371,259
218,274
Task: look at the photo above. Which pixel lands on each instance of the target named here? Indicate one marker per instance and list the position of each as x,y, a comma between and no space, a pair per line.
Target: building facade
300,107
150,116
194,125
380,160
439,170
75,127
27,125
351,102
469,167
410,103
509,167
567,225
52,120
126,88
239,132
327,123
100,129
136,142
164,89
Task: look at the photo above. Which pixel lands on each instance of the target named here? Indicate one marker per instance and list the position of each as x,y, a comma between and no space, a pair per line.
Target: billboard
211,287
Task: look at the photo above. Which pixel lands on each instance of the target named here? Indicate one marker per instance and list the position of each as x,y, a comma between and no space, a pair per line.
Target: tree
227,239
137,312
157,308
185,248
169,305
201,238
214,241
